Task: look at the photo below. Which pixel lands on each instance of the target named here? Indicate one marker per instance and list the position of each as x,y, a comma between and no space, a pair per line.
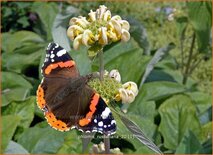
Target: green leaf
14,90
189,144
206,132
160,53
42,140
159,90
144,109
178,114
138,133
82,60
24,109
12,61
181,23
72,144
138,32
201,100
200,16
125,57
47,13
15,148
18,39
9,124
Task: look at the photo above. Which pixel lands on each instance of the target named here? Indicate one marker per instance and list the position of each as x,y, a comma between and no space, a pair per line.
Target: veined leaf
178,114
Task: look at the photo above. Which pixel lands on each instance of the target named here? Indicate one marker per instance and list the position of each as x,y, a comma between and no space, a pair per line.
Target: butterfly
66,99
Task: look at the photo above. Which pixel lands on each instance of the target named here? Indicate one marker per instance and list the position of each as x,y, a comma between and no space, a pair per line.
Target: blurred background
169,56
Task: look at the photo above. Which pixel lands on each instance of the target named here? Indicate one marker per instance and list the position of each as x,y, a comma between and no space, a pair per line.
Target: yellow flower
99,28
127,92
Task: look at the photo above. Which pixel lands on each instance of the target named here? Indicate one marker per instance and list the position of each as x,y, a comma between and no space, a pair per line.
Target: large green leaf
19,40
42,140
14,88
159,90
144,109
200,15
15,148
178,114
201,100
19,62
189,144
24,109
47,13
9,124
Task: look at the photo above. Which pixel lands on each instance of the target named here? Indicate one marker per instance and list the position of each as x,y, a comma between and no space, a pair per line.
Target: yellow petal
101,11
103,36
117,27
73,31
116,17
125,25
92,15
77,42
87,37
107,15
125,36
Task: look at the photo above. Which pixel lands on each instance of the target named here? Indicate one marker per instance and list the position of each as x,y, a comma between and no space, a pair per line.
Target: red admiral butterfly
66,99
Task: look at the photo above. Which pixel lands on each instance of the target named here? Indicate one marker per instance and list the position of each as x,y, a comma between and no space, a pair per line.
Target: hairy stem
107,144
101,61
188,65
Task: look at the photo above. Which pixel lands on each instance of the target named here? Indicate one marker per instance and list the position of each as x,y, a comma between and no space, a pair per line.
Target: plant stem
187,71
101,70
107,144
101,61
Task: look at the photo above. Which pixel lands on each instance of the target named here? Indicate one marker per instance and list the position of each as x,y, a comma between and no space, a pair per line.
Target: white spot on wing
61,52
95,120
100,123
105,113
52,55
113,122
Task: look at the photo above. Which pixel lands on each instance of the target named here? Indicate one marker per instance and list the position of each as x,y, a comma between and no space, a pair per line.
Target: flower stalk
101,62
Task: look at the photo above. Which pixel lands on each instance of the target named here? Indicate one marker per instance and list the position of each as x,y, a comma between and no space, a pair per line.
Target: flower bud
125,25
115,75
107,15
125,36
87,37
77,42
127,96
116,26
92,15
116,17
131,86
103,36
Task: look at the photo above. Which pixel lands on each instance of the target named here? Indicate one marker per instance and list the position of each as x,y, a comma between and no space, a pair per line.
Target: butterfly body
66,99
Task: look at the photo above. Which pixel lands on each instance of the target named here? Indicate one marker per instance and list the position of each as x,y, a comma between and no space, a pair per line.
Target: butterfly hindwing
101,121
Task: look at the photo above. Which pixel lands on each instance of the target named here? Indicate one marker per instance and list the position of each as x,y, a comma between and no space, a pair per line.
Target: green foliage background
177,117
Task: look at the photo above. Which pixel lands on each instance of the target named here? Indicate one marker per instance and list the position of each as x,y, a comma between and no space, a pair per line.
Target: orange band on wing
40,97
49,68
92,107
56,124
